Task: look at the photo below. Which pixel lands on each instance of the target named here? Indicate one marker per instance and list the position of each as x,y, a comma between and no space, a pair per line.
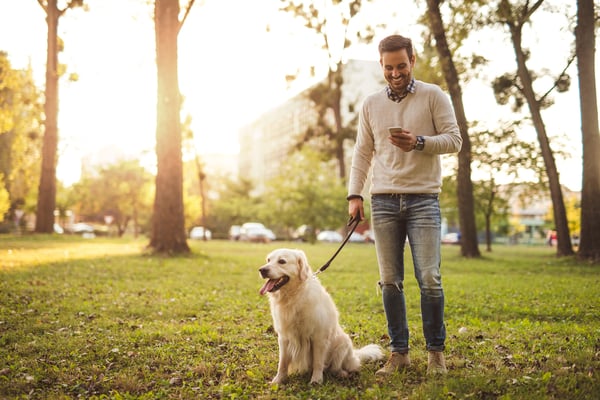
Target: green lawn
102,318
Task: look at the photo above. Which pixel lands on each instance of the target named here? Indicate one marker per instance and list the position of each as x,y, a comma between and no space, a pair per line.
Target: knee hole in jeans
397,285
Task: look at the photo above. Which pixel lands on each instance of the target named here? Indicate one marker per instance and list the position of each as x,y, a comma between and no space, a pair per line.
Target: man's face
397,69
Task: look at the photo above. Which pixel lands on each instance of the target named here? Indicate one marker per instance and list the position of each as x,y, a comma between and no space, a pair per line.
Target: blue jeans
417,217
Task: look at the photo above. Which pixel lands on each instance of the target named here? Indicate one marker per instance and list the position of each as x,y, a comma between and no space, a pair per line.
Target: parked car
81,228
199,232
369,236
58,229
329,237
256,232
357,238
451,238
234,232
304,233
86,231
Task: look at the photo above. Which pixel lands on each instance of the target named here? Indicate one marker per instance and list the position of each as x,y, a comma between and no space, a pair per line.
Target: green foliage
235,204
20,138
100,319
123,190
502,151
461,18
305,192
4,197
331,21
511,88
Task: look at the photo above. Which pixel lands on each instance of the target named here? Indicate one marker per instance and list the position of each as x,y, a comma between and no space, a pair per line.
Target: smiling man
403,129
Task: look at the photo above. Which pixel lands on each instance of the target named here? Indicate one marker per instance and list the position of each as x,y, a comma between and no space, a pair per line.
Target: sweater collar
397,98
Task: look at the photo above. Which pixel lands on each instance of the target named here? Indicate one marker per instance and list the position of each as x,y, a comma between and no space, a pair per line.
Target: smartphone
395,129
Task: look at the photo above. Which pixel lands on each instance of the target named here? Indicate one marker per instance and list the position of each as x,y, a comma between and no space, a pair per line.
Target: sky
233,59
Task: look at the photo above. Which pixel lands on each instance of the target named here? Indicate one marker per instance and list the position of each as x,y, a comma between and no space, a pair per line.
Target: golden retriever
306,321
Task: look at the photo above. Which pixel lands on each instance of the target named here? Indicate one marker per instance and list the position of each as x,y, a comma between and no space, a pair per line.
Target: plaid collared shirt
394,97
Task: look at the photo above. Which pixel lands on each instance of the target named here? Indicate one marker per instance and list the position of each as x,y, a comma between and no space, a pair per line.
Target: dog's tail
370,352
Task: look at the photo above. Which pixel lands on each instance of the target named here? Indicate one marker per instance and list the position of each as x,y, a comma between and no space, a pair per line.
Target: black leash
354,221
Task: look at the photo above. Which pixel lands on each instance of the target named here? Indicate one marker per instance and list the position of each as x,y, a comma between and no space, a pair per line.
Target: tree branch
533,9
187,11
571,59
41,2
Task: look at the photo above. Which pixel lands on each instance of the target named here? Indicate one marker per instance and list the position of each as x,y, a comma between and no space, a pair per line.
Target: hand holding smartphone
395,130
400,138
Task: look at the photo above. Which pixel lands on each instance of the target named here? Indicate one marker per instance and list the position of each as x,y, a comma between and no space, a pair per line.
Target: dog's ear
304,270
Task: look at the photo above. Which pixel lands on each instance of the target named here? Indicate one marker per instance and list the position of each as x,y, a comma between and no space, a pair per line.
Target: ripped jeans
395,218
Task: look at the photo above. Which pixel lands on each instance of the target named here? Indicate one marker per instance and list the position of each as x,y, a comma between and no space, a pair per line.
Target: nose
264,271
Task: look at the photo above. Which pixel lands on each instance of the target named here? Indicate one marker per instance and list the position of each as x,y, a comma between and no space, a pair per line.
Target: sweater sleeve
448,138
362,155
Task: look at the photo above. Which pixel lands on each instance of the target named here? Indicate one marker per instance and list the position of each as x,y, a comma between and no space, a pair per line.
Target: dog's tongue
267,286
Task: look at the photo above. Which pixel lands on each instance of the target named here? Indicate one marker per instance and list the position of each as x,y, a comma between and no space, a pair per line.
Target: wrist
354,196
419,143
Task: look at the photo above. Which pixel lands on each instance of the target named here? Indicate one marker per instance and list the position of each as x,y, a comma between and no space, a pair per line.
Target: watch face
420,143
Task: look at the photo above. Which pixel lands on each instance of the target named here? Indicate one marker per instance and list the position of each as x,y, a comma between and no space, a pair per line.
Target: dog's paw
343,373
316,380
278,379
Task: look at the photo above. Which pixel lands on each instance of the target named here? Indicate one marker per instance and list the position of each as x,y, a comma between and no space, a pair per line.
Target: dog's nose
263,272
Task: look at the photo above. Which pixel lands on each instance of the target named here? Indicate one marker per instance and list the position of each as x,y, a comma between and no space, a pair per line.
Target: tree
4,197
20,138
168,222
330,21
235,203
46,203
468,229
585,38
500,152
305,192
520,87
200,177
120,191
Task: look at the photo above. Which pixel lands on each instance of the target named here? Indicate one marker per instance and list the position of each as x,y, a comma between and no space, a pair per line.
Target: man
405,185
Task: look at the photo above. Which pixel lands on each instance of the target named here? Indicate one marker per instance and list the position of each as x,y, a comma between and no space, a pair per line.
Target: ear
304,269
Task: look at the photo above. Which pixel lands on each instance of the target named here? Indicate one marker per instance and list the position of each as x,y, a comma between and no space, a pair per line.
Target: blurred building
266,142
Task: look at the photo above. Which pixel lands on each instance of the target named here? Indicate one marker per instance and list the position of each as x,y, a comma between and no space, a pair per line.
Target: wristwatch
420,144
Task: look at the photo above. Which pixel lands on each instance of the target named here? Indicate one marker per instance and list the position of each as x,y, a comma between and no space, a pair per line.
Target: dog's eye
281,261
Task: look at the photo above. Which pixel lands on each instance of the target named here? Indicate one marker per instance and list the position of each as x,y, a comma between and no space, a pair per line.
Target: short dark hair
395,43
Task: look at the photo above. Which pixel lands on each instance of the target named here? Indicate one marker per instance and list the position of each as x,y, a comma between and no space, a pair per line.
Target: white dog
306,321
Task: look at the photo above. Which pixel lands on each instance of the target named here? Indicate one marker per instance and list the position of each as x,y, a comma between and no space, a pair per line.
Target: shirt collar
397,98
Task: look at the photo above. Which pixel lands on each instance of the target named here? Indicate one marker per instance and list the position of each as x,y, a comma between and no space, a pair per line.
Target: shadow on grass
101,319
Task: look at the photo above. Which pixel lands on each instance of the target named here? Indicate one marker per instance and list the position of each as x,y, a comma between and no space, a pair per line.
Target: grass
102,319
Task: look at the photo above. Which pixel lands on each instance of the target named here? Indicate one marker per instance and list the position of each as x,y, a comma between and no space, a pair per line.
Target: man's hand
405,140
355,206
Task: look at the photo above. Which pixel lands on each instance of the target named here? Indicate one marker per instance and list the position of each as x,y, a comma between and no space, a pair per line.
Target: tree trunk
466,203
335,87
585,37
488,216
46,201
563,247
168,225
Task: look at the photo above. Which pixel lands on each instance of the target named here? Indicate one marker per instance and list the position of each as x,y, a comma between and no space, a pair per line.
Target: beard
400,84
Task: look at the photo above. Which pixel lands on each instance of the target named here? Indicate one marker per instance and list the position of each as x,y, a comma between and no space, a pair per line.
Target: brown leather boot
396,362
436,363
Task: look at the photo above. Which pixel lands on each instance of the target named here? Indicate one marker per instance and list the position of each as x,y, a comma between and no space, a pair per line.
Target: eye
281,261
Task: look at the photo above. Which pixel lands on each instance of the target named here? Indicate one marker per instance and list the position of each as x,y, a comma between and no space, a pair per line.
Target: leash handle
354,221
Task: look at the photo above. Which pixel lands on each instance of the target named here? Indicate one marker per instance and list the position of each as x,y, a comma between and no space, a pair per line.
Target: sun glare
232,69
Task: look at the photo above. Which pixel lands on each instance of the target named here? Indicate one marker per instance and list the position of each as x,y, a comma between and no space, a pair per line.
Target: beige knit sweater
427,112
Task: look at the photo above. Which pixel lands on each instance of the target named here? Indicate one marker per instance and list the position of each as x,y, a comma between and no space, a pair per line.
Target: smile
273,285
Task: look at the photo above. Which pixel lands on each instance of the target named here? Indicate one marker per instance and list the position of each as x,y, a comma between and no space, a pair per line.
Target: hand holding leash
354,221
